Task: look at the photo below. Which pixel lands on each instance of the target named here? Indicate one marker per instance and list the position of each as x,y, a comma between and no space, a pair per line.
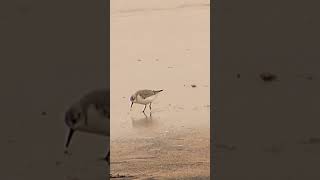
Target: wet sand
160,45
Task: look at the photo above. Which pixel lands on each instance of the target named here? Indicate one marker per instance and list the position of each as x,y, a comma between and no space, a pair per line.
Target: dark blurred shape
43,113
268,77
58,163
311,140
306,76
238,76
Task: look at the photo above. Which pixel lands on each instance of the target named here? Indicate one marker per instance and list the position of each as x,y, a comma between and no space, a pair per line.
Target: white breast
148,100
97,123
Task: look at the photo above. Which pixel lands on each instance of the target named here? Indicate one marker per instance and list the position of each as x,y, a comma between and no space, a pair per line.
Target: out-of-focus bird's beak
71,131
131,106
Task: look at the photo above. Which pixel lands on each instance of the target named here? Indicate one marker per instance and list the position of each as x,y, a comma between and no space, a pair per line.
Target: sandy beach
160,45
52,55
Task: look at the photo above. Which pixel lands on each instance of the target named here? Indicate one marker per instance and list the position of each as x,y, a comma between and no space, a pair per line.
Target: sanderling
95,104
144,97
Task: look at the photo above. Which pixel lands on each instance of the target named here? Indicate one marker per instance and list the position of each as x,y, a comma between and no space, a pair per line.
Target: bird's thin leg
144,108
145,114
150,106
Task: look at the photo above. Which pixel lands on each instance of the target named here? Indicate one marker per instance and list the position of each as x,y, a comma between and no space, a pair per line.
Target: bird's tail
156,92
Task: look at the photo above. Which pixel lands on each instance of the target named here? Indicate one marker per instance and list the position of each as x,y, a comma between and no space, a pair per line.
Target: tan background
161,44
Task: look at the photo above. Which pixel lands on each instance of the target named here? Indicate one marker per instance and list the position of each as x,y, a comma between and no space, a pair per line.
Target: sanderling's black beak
71,131
131,105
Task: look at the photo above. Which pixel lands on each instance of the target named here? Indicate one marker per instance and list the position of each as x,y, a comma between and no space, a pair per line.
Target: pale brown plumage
145,93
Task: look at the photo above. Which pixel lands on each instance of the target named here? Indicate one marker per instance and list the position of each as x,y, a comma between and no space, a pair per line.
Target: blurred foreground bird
97,105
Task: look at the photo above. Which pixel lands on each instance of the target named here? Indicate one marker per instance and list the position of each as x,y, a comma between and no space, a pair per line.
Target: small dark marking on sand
268,77
193,85
43,113
139,60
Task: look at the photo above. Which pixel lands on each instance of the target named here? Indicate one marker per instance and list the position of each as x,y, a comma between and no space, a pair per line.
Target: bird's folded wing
145,93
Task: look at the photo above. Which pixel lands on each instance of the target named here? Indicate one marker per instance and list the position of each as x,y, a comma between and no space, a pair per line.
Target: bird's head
73,119
133,99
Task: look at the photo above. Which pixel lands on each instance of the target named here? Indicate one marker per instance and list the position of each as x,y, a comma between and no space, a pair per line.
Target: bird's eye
73,121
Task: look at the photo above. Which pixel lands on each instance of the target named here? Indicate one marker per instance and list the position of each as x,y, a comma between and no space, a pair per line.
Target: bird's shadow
143,122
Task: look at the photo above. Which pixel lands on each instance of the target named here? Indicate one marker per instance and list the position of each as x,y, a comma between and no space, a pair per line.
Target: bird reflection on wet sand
144,122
